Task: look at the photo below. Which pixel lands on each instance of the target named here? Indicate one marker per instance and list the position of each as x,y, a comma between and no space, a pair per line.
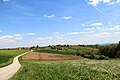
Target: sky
51,22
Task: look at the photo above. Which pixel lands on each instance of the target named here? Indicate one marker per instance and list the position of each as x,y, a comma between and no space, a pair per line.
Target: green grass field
6,56
69,51
69,70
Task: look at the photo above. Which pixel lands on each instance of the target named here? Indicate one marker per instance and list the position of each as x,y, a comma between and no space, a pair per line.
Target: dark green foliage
112,51
92,46
37,46
102,57
92,56
53,47
118,54
77,52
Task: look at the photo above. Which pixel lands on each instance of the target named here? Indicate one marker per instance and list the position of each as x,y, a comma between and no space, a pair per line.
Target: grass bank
6,56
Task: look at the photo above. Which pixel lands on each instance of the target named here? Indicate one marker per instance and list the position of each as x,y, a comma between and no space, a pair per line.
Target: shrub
102,57
77,52
118,54
53,47
92,56
86,56
110,51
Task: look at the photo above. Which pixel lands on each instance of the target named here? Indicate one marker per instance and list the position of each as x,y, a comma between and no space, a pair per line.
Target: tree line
112,51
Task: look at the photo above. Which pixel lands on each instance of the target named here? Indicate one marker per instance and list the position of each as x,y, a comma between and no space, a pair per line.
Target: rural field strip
8,71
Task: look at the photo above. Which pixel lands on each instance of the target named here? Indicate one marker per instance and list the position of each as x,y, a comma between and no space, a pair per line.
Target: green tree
37,46
77,52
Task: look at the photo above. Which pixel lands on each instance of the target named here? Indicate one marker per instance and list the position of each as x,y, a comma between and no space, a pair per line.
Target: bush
118,54
86,56
77,52
96,57
53,47
110,51
92,56
102,57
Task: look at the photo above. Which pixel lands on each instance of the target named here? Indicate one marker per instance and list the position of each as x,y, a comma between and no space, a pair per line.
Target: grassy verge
69,70
6,56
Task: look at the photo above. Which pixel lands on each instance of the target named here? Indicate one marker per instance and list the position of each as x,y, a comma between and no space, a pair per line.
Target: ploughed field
47,56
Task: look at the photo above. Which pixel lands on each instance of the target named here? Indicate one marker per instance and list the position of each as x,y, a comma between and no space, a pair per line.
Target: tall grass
6,56
69,70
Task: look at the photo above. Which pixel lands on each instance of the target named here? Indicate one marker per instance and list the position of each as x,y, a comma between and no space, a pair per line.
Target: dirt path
8,71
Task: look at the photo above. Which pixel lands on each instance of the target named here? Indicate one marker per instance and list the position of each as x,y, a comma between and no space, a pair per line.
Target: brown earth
46,56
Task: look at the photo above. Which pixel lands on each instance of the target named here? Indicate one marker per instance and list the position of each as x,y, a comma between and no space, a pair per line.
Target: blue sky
49,22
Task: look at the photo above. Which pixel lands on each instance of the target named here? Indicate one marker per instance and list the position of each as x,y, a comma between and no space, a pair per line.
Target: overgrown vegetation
69,70
112,51
6,56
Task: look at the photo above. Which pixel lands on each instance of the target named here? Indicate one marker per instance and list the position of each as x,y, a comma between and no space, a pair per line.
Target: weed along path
8,71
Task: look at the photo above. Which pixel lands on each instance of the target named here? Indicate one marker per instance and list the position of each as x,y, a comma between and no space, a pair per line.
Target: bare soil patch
46,56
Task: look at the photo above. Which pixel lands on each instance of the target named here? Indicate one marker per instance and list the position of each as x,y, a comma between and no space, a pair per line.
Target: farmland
6,56
71,50
69,70
86,52
84,69
40,68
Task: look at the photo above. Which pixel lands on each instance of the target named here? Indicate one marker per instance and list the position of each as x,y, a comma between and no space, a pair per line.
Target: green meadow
69,70
6,56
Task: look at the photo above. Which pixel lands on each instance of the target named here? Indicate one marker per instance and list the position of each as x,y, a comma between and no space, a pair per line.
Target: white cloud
18,35
44,38
9,39
117,27
30,34
49,40
89,29
57,34
82,25
96,24
114,28
105,35
96,2
67,17
114,2
6,0
99,38
19,38
77,33
50,16
6,37
92,29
